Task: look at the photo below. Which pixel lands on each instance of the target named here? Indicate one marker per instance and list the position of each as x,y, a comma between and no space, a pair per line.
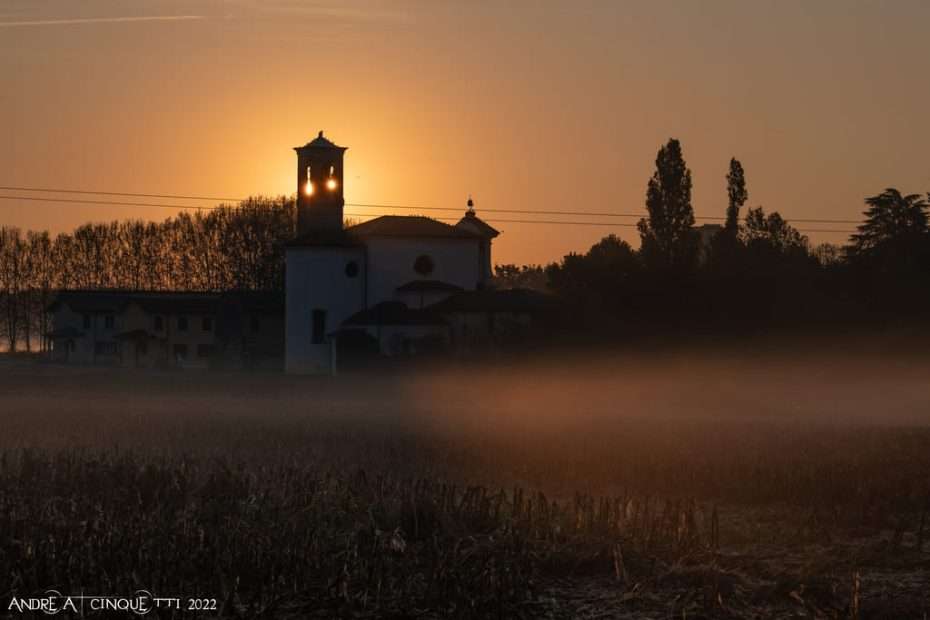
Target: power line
495,220
116,203
381,206
585,213
108,202
83,191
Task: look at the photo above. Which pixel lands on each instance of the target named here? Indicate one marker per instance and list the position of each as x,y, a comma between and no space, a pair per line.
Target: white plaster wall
403,339
316,278
390,264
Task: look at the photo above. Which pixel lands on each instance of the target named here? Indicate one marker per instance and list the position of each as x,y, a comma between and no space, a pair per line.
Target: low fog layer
573,416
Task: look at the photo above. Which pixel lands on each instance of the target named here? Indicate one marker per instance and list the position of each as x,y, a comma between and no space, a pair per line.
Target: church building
379,277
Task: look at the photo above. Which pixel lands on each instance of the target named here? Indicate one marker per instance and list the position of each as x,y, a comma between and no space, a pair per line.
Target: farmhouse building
152,329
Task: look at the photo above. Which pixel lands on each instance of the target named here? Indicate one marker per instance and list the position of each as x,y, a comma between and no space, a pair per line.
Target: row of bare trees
237,247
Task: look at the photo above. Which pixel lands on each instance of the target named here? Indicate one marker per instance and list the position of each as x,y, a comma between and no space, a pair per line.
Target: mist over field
584,410
761,480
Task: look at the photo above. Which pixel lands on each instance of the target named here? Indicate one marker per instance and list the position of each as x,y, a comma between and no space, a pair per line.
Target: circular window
351,269
424,265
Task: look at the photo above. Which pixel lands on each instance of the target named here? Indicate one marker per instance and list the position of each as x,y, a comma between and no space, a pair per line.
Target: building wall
474,331
96,345
390,264
83,352
191,347
317,280
99,343
407,339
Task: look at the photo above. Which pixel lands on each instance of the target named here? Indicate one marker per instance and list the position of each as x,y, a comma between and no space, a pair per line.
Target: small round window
424,265
351,269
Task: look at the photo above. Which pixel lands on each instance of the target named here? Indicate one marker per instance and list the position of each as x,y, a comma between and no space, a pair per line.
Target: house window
319,326
108,321
204,350
182,323
256,324
86,321
180,352
142,348
208,324
159,323
69,346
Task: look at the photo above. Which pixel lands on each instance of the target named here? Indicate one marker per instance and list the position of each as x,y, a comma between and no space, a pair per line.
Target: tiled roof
320,143
509,300
394,313
408,226
97,301
90,301
416,286
476,224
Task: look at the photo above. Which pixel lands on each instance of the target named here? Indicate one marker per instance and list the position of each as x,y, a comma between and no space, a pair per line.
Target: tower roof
320,143
475,224
408,226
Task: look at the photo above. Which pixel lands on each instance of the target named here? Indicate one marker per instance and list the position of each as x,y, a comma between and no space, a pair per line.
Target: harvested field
686,486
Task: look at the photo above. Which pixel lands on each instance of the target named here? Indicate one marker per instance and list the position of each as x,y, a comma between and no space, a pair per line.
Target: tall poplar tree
737,194
669,242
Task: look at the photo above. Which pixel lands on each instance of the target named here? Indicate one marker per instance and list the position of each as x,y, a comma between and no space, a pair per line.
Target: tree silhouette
598,274
772,244
894,234
668,239
726,245
737,194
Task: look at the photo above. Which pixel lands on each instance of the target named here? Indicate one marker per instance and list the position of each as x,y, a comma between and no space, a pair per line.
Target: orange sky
526,105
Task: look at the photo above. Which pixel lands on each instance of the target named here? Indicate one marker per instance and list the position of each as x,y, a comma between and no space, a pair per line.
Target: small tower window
308,188
331,182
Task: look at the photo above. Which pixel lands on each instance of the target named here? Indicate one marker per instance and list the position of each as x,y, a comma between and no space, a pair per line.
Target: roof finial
321,134
471,206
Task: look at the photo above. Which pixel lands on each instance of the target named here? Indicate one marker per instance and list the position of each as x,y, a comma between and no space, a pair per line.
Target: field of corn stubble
660,489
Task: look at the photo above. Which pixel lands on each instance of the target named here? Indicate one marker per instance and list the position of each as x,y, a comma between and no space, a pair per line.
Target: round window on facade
424,265
351,269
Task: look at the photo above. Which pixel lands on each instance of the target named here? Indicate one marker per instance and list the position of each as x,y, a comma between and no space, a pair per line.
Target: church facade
380,277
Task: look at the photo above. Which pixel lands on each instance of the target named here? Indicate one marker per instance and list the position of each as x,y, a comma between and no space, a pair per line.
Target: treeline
229,248
752,272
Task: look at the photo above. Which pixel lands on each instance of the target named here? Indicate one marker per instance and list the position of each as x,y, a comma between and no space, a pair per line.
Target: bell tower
319,186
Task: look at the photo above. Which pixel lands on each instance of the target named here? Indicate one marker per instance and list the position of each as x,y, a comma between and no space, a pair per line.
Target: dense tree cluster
754,271
237,247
